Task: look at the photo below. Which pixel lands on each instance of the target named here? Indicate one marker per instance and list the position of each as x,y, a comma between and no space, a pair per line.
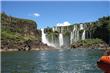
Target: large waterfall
64,36
61,39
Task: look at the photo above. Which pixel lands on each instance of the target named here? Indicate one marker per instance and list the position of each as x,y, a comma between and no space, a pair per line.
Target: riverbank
34,49
26,46
44,48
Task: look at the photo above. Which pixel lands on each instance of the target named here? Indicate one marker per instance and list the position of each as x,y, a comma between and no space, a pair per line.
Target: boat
104,63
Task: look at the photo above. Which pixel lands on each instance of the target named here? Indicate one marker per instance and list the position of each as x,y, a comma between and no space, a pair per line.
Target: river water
53,61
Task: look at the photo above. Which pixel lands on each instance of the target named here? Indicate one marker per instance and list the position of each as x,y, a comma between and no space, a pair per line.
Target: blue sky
50,13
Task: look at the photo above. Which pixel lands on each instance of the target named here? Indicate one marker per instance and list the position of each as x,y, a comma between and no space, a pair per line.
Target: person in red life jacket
104,63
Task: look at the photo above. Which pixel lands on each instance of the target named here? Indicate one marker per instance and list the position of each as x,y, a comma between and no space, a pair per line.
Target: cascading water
77,35
71,37
74,35
61,39
83,35
81,27
44,39
53,29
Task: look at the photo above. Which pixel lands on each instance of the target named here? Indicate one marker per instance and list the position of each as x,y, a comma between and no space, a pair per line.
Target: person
104,62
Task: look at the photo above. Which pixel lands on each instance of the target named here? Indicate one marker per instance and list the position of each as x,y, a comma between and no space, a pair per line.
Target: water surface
54,61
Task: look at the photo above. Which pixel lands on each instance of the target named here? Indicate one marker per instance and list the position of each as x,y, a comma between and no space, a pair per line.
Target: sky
57,13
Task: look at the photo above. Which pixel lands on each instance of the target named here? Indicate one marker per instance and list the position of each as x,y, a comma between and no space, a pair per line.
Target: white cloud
66,23
36,14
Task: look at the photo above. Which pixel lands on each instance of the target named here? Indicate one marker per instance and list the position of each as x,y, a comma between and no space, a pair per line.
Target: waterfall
83,35
61,29
62,36
61,39
81,27
44,39
71,37
53,29
74,35
77,35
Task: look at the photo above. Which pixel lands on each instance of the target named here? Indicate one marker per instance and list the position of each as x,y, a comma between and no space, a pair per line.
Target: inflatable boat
104,63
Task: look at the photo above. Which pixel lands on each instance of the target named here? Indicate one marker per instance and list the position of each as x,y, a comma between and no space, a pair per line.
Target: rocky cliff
17,33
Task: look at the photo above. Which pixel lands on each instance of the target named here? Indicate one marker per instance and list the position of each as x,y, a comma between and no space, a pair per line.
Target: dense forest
102,29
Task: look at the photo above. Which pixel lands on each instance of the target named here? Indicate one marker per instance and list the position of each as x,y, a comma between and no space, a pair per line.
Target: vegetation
91,43
96,30
13,28
20,30
16,30
102,30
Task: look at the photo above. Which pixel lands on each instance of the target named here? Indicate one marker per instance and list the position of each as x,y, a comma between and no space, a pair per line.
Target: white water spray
61,39
71,37
44,39
81,27
83,35
74,35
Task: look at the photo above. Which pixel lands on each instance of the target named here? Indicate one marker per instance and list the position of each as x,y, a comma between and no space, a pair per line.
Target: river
53,61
